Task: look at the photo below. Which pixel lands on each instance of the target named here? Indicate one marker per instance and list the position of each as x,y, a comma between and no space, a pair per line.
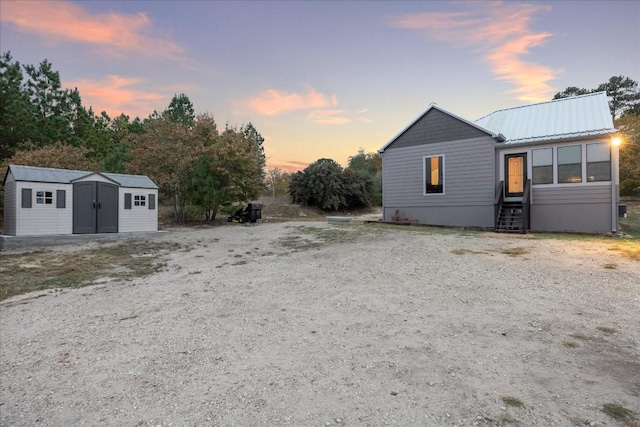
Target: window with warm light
434,175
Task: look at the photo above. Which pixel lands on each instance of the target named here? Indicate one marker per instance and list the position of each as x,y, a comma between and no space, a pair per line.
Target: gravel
310,324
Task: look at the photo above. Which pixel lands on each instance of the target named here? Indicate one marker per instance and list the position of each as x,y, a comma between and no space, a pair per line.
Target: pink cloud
288,166
501,31
273,102
64,21
117,94
329,117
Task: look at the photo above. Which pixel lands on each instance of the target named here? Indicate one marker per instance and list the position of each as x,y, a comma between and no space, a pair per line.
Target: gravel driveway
307,324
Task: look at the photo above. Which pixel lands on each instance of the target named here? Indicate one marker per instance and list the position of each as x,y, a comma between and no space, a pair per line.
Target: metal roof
64,176
579,116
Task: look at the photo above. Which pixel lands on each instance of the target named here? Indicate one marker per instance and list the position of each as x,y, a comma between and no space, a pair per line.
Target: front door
515,174
95,207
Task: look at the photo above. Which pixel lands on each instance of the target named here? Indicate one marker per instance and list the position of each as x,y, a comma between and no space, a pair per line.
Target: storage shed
47,201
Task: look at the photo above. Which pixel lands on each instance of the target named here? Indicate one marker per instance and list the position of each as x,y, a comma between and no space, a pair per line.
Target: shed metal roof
579,116
64,176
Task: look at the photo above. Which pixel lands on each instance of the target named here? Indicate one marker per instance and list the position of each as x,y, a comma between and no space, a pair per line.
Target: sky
323,79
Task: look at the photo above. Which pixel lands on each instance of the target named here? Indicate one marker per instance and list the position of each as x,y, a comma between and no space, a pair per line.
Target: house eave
554,139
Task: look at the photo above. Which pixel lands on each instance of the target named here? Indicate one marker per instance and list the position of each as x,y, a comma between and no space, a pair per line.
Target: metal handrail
526,206
498,201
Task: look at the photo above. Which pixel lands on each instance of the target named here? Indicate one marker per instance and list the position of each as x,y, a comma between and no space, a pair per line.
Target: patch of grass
570,344
506,419
628,248
514,251
243,262
512,401
607,330
610,266
466,251
620,413
35,271
579,336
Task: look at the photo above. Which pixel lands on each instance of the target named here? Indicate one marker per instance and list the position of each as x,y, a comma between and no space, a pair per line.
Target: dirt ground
309,324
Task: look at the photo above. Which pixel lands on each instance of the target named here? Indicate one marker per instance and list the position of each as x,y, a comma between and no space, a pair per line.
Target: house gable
436,125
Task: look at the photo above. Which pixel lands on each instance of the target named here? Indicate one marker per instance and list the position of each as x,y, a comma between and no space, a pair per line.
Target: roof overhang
555,140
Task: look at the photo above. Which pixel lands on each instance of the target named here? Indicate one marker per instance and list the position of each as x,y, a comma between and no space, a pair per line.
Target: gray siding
433,127
585,208
468,183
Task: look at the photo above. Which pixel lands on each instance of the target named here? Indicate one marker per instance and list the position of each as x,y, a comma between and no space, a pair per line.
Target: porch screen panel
516,175
598,162
570,164
542,166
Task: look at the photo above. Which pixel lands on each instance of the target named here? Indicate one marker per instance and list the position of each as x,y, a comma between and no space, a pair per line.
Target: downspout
614,181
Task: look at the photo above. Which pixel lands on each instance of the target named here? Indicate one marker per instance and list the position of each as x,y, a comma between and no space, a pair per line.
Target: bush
630,187
326,185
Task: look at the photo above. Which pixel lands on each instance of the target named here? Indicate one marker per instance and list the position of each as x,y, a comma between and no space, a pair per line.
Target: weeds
620,413
579,336
607,330
35,271
514,251
512,401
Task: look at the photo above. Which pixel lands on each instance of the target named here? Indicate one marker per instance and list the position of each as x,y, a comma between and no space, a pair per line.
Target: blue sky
323,79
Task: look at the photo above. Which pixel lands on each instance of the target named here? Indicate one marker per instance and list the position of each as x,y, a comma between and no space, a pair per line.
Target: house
551,166
46,201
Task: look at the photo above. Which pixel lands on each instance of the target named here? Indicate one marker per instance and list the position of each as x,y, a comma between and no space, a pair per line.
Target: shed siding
572,208
138,218
10,203
433,127
44,219
468,182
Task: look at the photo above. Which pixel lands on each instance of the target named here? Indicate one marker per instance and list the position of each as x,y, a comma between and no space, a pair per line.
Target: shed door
107,208
84,213
95,207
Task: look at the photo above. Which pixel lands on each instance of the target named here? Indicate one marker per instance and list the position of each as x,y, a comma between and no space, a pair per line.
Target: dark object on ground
251,213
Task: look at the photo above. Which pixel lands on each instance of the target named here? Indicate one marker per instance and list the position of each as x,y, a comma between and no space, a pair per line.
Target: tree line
194,162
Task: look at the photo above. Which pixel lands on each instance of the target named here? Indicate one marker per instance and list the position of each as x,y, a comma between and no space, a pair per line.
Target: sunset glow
323,79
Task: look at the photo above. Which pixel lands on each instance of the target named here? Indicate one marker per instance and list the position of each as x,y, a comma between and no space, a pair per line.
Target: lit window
139,200
44,197
434,175
598,162
543,166
570,164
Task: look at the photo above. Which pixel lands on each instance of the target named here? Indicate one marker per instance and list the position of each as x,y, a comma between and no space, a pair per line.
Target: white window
542,165
570,164
598,162
434,175
139,200
44,197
